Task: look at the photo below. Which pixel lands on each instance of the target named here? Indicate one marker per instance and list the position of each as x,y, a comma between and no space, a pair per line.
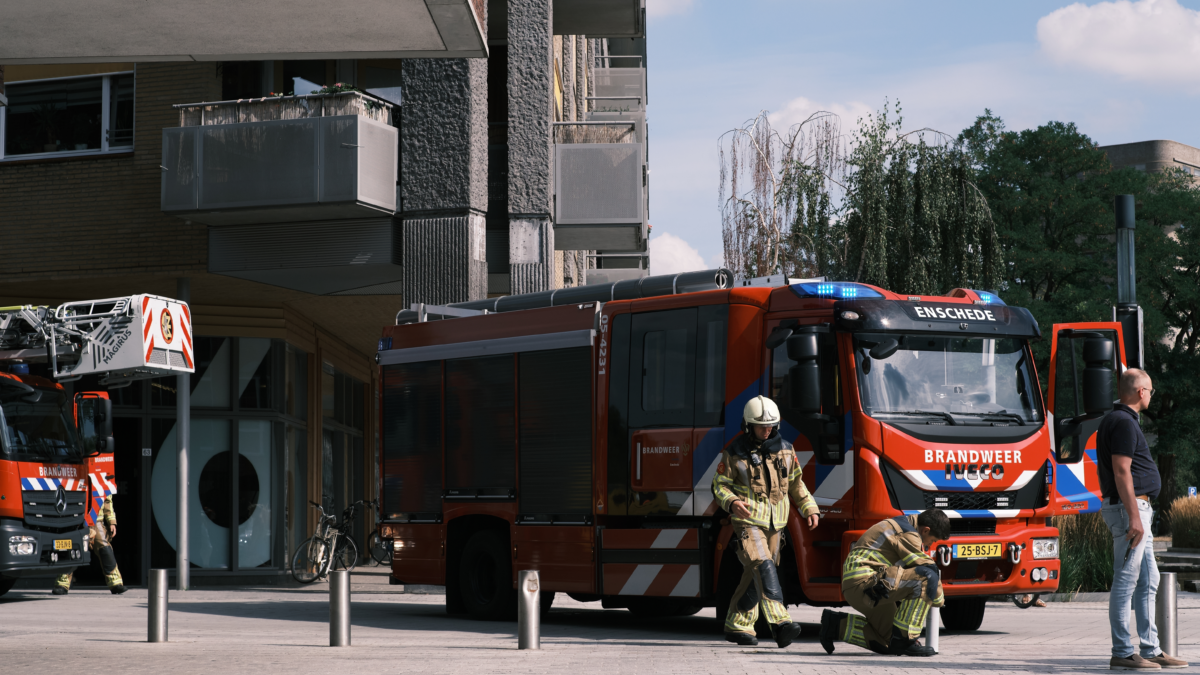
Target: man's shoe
1135,662
1165,660
59,590
118,589
786,633
743,639
830,622
918,649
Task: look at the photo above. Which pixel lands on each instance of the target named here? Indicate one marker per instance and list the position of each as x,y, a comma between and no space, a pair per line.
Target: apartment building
297,225
1155,156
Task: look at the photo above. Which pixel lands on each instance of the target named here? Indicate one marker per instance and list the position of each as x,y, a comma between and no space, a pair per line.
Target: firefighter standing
102,527
890,579
757,480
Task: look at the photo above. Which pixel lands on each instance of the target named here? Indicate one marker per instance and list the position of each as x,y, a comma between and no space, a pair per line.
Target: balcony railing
286,159
600,181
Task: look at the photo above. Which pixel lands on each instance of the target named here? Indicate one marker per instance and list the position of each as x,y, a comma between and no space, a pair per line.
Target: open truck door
1086,360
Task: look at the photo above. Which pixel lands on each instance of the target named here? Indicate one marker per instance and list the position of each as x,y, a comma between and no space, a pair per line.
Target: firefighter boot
63,584
831,623
903,644
786,633
743,639
59,590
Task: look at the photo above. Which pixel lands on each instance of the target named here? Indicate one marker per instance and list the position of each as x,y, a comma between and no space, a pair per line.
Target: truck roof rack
627,289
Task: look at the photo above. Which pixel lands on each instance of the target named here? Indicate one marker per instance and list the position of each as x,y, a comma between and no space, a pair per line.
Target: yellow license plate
977,551
62,544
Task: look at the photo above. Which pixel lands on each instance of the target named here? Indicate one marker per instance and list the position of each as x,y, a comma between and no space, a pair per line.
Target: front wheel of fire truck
6,584
963,614
485,577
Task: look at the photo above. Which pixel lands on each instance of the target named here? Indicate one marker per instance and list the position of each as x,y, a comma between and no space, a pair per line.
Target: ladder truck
577,432
48,441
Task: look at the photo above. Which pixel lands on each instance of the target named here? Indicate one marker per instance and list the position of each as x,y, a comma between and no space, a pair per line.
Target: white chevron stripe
689,584
640,580
668,538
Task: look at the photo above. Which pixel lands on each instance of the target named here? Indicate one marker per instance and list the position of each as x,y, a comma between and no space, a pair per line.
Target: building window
67,117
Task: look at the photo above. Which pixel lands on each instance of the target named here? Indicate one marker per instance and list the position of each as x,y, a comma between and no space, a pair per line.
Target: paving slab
286,629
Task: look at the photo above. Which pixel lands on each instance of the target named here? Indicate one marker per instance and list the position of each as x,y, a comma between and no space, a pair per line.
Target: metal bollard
1166,613
156,603
339,608
933,626
529,607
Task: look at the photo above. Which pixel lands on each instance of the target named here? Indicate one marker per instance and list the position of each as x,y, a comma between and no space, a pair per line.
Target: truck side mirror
805,376
885,349
1097,375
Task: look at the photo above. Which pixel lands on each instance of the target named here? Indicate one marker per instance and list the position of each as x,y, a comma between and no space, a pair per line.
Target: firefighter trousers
904,610
100,547
758,551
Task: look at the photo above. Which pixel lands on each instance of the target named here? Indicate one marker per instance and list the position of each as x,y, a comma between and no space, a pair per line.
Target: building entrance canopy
97,31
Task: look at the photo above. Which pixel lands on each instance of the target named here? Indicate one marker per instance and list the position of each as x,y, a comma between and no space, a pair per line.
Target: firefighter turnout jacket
767,477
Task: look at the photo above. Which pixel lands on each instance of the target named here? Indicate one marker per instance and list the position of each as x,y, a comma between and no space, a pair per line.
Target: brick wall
100,216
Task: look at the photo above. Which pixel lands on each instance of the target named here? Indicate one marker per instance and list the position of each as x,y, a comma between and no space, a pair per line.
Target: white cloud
1149,40
666,7
800,108
670,255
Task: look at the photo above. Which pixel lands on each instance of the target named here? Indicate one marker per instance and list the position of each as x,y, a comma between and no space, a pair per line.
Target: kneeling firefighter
757,480
890,578
102,527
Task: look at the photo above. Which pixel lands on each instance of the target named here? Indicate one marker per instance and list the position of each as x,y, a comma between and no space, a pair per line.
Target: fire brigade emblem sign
168,326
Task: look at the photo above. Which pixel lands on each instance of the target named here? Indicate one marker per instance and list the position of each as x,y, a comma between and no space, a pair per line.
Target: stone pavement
278,629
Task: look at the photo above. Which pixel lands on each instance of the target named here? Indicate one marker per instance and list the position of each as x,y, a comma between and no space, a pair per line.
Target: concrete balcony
281,159
600,18
106,31
600,187
298,192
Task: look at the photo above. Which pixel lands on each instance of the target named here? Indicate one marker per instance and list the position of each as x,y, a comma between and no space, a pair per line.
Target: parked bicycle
379,546
330,547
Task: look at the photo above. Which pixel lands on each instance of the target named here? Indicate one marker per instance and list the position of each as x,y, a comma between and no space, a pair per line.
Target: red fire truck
53,473
576,432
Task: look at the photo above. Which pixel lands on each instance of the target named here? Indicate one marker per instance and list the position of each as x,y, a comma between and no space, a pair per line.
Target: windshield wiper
933,413
1002,414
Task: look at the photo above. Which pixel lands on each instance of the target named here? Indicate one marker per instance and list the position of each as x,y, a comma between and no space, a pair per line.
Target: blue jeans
1137,580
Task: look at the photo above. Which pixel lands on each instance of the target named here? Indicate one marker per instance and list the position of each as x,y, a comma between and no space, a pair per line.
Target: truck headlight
22,545
1045,548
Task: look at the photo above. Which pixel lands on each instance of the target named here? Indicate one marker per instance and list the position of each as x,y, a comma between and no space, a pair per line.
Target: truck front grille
966,527
971,501
41,509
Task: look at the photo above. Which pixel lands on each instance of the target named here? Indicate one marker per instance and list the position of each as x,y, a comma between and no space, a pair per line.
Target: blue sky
1122,71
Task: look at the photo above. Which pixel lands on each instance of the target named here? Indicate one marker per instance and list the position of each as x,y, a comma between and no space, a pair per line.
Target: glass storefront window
254,373
255,473
210,382
296,388
209,505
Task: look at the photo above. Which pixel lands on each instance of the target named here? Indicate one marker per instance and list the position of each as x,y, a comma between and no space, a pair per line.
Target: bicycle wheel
310,561
346,556
380,548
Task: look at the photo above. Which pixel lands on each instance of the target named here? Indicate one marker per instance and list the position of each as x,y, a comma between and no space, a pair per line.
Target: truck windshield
955,380
38,432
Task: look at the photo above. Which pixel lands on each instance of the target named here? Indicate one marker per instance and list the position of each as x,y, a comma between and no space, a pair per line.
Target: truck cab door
93,422
1074,473
662,394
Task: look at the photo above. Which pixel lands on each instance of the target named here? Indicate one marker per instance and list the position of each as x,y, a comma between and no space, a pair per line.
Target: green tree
1051,193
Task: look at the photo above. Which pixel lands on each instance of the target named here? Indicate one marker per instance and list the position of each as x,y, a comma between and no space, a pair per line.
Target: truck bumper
45,560
1002,576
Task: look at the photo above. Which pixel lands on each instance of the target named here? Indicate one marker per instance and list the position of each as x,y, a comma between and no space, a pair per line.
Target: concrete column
530,144
443,180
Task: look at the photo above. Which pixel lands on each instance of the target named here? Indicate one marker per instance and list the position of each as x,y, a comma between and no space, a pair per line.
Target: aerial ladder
122,340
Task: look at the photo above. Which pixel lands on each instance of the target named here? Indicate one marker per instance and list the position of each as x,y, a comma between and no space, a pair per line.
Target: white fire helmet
760,411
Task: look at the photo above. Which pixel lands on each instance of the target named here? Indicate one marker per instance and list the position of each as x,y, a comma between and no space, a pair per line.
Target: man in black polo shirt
1129,481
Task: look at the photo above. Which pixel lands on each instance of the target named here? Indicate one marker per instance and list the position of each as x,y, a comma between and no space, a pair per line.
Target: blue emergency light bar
989,298
840,290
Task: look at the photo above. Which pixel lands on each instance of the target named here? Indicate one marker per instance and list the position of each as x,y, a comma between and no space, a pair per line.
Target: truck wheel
963,614
6,584
485,578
